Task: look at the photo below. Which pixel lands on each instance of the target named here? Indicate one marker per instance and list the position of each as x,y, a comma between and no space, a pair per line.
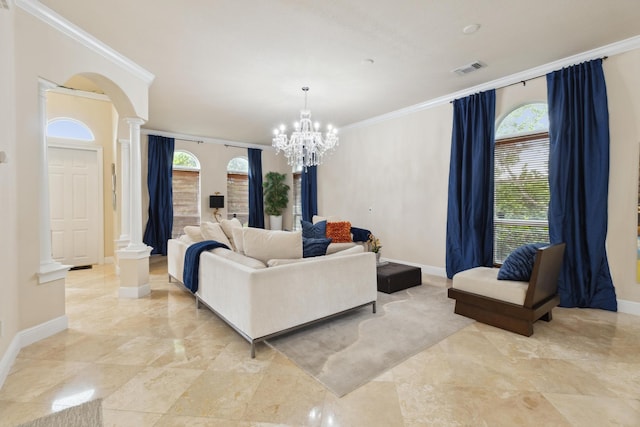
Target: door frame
70,144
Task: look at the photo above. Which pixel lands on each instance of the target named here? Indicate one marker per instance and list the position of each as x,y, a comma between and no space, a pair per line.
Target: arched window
186,191
68,128
238,189
521,179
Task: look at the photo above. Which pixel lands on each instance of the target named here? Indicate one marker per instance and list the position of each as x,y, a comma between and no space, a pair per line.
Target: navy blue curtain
579,182
469,240
256,201
309,192
159,177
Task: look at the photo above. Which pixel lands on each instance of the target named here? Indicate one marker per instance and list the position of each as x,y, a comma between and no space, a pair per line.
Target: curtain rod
203,139
524,82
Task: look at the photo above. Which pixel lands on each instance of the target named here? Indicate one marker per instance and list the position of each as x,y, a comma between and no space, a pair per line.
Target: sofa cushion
519,263
339,247
227,226
269,244
213,231
239,258
314,231
278,261
194,233
339,232
238,239
355,249
314,247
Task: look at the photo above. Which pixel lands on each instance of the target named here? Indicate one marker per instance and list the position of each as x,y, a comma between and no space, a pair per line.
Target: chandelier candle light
306,146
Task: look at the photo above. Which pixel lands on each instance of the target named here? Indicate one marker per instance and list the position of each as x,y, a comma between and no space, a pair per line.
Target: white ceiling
234,69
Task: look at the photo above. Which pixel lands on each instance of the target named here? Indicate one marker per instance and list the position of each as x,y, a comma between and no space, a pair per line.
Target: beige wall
97,115
8,213
400,169
42,52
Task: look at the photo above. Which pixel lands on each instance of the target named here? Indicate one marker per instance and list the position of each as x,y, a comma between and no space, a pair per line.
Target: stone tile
595,410
219,394
152,390
287,396
118,418
375,404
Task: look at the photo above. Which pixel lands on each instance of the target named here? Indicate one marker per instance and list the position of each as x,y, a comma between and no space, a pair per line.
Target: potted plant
276,198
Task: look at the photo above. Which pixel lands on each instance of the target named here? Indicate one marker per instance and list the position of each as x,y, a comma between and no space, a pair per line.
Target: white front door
74,195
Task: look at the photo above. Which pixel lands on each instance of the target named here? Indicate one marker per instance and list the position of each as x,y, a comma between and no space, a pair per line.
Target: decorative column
125,211
49,269
134,259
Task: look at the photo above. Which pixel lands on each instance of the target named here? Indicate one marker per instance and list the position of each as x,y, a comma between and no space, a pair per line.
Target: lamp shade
216,202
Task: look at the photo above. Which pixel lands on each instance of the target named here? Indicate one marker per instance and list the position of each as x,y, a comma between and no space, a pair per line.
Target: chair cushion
483,281
519,263
213,231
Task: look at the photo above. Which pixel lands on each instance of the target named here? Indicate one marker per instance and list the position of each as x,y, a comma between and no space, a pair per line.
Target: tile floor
157,361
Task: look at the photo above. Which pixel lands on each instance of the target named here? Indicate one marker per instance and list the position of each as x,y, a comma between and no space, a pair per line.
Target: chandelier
306,145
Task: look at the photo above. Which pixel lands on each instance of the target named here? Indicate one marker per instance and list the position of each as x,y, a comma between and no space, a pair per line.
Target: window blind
521,198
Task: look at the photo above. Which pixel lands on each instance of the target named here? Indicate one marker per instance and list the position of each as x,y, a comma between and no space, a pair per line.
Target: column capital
134,121
124,142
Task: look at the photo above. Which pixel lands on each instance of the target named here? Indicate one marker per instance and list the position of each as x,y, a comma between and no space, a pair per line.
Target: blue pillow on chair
519,264
314,231
314,247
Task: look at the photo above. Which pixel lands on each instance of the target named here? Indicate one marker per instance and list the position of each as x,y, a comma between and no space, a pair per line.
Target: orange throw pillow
339,232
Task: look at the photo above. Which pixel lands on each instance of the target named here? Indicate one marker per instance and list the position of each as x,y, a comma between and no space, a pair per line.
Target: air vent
466,69
4,4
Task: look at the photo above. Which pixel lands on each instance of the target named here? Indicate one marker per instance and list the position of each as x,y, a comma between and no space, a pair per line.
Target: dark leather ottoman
393,277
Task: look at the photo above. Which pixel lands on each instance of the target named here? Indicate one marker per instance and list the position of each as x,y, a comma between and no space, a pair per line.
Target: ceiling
234,69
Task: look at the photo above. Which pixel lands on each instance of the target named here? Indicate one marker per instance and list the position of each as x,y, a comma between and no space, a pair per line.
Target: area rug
348,351
88,414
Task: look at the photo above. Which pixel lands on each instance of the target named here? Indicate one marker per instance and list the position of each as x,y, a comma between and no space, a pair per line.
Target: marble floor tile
159,361
152,390
596,410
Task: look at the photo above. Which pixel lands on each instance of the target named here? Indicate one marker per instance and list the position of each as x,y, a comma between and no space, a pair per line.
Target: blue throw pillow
314,231
519,263
314,247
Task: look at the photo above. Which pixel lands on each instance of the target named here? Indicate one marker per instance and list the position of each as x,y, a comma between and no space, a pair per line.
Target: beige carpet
88,414
347,352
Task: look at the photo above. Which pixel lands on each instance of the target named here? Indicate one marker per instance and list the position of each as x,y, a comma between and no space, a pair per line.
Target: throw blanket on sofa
360,234
192,262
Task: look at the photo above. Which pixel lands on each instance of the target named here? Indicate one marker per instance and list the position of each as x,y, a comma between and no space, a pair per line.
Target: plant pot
377,257
275,222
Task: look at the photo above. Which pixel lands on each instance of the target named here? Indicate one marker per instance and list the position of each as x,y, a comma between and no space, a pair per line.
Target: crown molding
48,16
608,50
80,93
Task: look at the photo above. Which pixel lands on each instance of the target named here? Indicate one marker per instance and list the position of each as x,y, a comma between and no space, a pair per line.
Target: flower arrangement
374,243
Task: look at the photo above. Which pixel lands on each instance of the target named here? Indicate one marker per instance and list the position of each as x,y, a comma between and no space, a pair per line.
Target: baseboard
630,307
134,291
8,358
426,269
27,337
109,260
43,330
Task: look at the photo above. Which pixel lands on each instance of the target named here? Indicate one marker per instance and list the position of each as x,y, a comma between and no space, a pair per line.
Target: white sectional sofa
261,297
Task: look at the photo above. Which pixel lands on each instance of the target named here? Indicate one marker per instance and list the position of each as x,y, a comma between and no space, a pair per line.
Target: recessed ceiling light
470,29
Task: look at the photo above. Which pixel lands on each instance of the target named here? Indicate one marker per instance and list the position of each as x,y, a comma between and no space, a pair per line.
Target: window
238,189
69,129
186,191
521,174
297,200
